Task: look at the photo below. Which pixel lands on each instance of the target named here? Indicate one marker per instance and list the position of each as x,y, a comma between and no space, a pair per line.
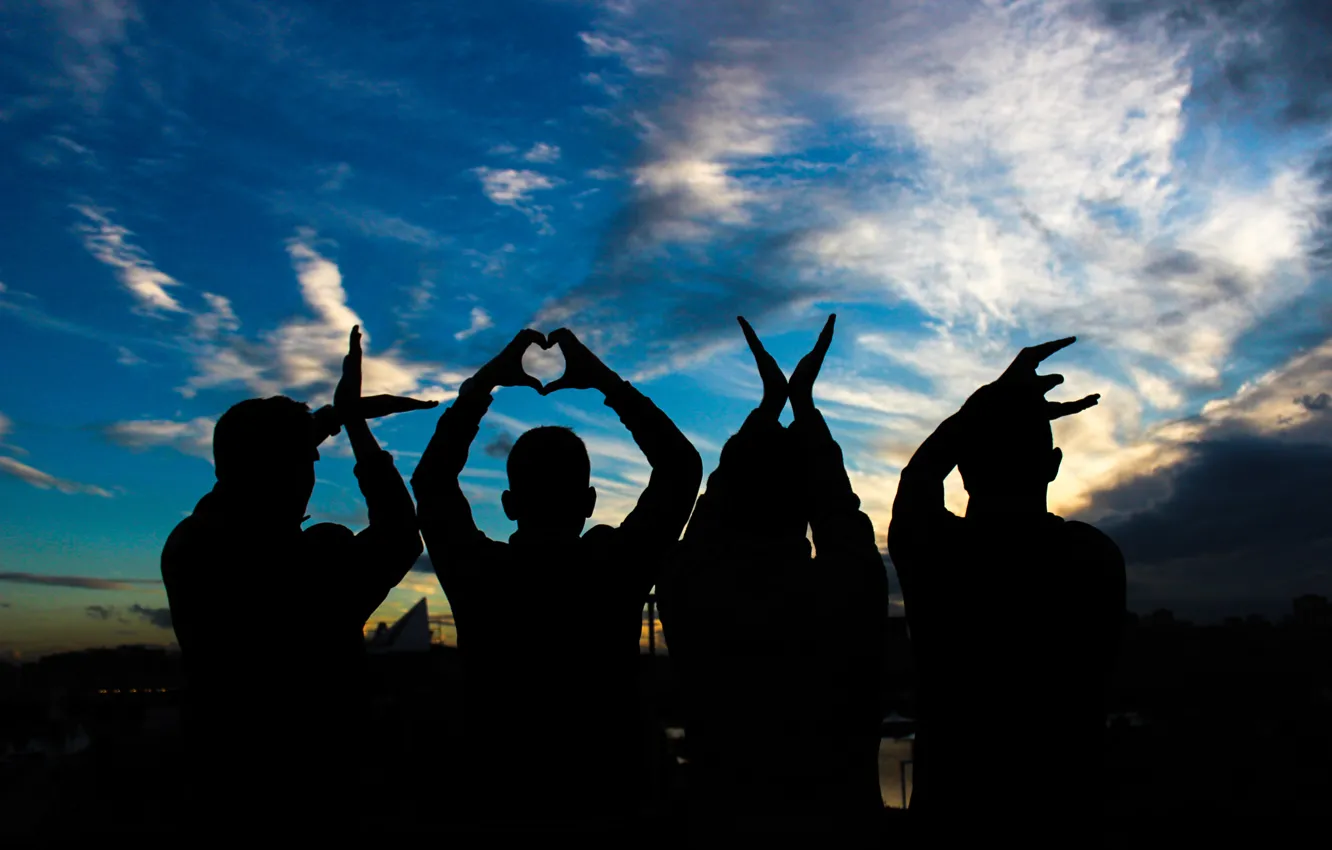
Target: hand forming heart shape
582,368
545,361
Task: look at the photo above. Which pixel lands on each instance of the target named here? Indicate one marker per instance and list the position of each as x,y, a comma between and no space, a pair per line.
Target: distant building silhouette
1161,617
411,633
1312,611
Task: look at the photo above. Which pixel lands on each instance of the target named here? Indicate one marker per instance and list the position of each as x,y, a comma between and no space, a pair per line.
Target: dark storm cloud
500,446
160,617
1282,54
1241,526
1315,403
1235,494
100,612
84,582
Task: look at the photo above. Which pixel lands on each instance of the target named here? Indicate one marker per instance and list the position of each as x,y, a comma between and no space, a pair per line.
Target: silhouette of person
778,649
269,617
549,622
1014,615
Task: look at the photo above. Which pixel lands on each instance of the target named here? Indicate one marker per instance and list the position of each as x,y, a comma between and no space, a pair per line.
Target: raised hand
1020,385
347,396
506,368
774,382
375,406
583,370
807,370
327,423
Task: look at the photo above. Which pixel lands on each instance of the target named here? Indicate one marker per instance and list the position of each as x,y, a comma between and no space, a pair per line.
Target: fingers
354,342
528,336
825,337
376,406
1048,382
1058,409
553,386
752,338
1031,356
562,337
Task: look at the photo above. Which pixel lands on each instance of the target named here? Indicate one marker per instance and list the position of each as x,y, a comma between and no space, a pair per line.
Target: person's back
1001,621
548,633
549,622
778,648
1014,616
269,616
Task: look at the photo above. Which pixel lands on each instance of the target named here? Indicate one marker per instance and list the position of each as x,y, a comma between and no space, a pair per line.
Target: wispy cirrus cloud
193,437
542,152
513,187
480,321
83,582
109,243
640,58
36,477
46,481
305,354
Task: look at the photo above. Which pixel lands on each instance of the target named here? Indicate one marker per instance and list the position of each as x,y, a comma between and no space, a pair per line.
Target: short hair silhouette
551,458
1011,449
256,434
776,498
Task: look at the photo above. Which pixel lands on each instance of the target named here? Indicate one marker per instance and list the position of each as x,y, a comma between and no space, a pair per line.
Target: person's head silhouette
1012,460
1008,458
774,506
549,483
264,450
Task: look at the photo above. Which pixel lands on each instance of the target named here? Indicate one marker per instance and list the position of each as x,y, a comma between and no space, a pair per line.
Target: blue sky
201,198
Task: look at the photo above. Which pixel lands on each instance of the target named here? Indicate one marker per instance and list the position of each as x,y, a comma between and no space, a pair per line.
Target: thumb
553,386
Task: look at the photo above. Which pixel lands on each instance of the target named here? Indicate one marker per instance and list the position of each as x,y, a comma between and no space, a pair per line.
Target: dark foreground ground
1214,724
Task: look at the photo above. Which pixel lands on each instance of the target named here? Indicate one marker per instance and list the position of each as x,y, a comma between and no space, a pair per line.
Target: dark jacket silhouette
778,649
269,618
1014,615
549,622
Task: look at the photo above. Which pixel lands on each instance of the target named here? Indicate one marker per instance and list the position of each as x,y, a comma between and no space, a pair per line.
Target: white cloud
731,119
193,437
480,321
46,481
217,319
512,187
304,355
641,59
602,83
542,152
108,243
125,357
335,177
93,33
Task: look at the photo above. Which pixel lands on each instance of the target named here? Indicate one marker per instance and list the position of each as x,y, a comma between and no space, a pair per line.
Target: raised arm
391,543
835,517
710,514
666,502
445,516
920,492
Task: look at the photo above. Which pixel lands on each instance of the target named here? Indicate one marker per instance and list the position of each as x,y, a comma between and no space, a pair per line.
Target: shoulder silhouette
586,592
778,649
262,720
1014,614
